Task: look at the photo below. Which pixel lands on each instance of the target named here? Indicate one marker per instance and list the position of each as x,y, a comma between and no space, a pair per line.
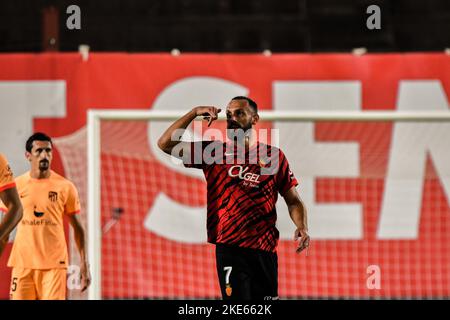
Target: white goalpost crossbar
94,161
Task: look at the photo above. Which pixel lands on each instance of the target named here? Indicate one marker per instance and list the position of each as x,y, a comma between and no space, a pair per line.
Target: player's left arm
11,200
80,240
72,207
297,211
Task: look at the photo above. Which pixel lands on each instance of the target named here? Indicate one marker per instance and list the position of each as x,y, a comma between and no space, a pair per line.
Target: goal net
376,186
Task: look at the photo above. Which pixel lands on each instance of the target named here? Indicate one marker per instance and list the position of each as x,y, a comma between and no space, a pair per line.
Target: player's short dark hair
38,136
250,102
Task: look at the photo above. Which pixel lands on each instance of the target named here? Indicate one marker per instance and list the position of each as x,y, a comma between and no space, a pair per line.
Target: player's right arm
11,200
171,137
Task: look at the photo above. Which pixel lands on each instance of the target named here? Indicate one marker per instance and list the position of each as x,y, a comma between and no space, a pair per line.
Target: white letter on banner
411,143
309,159
21,102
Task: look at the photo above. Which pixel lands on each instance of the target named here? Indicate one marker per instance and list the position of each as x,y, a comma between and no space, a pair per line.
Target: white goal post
94,161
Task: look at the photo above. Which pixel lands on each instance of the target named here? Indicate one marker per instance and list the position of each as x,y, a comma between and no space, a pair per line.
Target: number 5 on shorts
14,285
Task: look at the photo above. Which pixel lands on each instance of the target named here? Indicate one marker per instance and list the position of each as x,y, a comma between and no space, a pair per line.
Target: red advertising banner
377,193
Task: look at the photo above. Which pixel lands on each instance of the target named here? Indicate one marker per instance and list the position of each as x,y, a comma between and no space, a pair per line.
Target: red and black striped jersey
242,190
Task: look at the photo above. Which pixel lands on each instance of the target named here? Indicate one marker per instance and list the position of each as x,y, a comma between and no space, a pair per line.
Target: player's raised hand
301,235
209,113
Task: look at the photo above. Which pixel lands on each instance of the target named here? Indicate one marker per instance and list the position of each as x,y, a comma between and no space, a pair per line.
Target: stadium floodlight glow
94,151
175,52
267,53
359,51
83,49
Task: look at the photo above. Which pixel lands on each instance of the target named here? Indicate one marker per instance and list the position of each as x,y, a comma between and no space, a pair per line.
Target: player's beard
232,126
44,165
238,133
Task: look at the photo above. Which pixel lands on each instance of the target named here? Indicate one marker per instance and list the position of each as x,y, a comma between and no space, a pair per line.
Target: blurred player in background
10,198
39,255
241,201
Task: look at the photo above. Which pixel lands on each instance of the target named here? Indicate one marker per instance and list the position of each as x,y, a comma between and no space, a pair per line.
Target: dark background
228,25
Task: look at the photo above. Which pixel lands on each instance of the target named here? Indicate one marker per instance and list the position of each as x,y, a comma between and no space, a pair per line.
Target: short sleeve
72,205
6,175
285,177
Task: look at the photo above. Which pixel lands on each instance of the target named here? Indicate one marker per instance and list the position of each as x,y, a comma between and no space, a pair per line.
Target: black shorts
247,273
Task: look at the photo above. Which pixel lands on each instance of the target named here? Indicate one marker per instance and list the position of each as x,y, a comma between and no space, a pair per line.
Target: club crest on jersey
228,290
263,163
53,196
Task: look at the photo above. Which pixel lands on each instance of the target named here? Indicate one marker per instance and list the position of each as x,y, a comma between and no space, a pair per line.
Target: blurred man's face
41,155
240,115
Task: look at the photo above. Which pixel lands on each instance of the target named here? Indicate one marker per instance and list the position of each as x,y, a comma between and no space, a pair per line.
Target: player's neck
247,142
250,141
40,174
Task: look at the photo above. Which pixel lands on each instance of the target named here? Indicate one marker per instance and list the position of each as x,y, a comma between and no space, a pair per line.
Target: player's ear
255,118
28,155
